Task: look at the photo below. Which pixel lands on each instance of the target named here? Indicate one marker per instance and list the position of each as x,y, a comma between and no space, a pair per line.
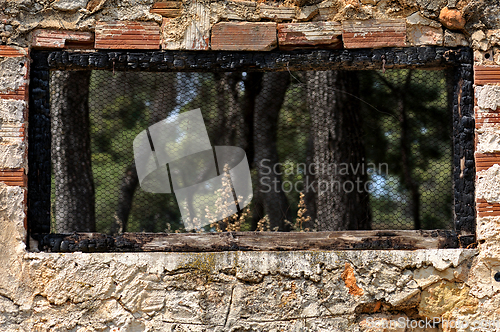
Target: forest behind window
336,150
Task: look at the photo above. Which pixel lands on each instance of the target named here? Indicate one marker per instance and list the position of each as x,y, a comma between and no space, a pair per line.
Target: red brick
9,51
127,35
374,33
485,209
309,35
19,94
62,39
486,160
487,118
246,36
14,177
167,8
12,130
486,74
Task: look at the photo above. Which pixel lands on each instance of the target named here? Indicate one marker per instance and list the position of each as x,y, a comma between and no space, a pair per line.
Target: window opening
386,155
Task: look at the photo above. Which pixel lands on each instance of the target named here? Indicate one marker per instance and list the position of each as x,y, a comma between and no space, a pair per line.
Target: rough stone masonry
246,291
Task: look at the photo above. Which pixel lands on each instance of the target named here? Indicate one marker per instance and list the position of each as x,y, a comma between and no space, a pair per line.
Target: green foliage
429,134
293,134
120,108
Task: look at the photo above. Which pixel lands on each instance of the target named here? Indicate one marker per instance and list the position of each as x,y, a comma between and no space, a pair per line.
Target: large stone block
12,110
488,135
480,40
454,39
69,5
13,73
487,96
424,35
12,247
488,184
423,31
215,291
306,13
452,18
327,10
444,297
12,152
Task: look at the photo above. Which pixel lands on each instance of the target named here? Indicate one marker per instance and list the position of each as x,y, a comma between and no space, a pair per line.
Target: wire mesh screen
331,150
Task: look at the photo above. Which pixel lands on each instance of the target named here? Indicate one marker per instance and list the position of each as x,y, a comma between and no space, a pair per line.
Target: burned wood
249,241
223,61
39,155
464,172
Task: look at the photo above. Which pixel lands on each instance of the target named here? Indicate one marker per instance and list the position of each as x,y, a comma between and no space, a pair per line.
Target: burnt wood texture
464,172
224,61
39,152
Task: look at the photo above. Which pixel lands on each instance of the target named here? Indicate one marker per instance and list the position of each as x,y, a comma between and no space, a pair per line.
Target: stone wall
246,291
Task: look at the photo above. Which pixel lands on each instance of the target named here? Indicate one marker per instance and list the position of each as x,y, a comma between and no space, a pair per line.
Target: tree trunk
128,185
267,107
340,172
309,195
235,120
71,154
162,104
405,149
253,86
228,119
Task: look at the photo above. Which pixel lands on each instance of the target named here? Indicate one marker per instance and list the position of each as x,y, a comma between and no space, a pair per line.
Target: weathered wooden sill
250,241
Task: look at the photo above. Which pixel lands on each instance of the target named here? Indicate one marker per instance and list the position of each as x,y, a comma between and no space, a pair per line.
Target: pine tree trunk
228,110
309,195
71,155
405,147
162,104
340,174
235,120
128,185
267,107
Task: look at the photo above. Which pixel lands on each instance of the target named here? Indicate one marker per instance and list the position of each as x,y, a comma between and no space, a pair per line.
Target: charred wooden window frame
457,60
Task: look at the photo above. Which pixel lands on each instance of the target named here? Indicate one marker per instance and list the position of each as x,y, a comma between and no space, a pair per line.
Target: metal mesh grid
312,140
